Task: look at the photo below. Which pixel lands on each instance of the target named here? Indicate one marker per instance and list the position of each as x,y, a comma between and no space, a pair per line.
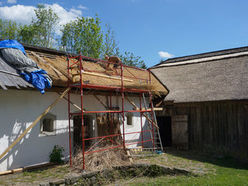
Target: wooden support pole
11,171
34,123
50,65
149,109
73,104
105,106
136,108
106,76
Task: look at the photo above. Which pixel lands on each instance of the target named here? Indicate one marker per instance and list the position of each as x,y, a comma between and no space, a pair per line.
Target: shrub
56,154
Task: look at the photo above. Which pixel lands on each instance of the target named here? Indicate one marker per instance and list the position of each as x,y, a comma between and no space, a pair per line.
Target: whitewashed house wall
19,108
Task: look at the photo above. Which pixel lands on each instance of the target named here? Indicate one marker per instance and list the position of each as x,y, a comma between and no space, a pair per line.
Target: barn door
179,130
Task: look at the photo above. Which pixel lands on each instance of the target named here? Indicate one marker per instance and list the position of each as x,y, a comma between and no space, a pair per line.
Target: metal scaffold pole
69,109
122,102
82,110
141,122
110,110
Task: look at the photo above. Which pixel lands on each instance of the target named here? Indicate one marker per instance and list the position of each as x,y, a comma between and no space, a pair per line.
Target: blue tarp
12,44
24,65
38,79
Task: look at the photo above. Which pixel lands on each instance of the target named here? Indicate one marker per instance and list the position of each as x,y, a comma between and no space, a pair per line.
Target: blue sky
152,27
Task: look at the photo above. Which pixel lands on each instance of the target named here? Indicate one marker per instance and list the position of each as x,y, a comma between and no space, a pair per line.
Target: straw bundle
106,159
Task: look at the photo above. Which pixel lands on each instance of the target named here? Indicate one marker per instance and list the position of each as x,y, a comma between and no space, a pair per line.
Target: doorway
164,124
77,132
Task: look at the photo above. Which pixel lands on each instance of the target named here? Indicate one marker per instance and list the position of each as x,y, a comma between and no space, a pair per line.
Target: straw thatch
206,77
56,66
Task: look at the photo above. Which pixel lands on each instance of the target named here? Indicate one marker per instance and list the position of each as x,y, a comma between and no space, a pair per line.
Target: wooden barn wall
219,127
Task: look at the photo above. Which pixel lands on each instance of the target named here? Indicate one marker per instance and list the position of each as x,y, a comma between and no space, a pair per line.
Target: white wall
19,108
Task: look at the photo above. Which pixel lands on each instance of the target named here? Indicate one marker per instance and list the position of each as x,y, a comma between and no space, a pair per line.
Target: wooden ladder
157,138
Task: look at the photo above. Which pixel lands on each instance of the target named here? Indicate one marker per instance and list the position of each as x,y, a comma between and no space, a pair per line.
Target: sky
153,29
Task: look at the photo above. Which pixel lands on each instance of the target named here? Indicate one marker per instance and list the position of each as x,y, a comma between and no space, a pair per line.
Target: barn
207,105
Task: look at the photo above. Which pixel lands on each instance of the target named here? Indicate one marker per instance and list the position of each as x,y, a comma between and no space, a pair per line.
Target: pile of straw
98,161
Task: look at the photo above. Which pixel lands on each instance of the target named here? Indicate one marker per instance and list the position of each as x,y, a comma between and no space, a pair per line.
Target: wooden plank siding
220,127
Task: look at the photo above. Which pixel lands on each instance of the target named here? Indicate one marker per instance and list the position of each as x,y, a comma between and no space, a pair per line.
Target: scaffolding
77,61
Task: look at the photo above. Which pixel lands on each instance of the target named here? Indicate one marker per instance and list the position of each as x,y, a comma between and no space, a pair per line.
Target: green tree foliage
8,29
27,34
41,31
128,58
44,26
84,36
110,46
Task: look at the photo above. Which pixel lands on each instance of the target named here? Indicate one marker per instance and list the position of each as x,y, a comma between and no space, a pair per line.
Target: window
47,125
129,119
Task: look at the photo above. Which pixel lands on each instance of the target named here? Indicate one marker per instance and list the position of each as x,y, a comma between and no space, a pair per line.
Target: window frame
129,114
50,117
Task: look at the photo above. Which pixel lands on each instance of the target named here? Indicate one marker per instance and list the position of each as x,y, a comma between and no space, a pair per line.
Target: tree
110,46
27,34
68,38
41,31
8,29
84,36
42,28
128,58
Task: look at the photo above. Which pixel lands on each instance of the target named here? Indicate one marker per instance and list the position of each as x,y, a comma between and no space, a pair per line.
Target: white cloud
11,1
65,16
164,54
82,7
19,13
24,14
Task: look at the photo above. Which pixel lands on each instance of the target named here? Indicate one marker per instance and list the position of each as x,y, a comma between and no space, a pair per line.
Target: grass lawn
205,169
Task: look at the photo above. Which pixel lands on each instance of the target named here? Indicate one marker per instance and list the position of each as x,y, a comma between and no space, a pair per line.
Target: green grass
223,177
35,176
207,171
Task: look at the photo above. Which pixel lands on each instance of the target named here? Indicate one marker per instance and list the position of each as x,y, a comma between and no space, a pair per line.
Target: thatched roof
55,63
220,75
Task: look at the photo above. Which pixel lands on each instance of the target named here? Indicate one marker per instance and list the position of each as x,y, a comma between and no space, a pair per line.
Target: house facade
19,108
21,104
207,106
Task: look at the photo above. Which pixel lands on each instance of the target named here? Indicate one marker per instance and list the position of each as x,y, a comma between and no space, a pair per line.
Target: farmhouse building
207,105
104,96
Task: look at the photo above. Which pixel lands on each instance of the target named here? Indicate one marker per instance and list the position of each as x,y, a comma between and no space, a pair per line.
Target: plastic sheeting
18,60
39,79
12,44
16,57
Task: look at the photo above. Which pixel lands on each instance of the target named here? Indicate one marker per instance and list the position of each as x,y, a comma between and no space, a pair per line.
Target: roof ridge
203,55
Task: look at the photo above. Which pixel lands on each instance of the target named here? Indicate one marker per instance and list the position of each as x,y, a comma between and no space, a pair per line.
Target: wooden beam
34,123
158,108
129,156
73,104
106,76
137,108
11,171
50,65
105,106
155,109
132,103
